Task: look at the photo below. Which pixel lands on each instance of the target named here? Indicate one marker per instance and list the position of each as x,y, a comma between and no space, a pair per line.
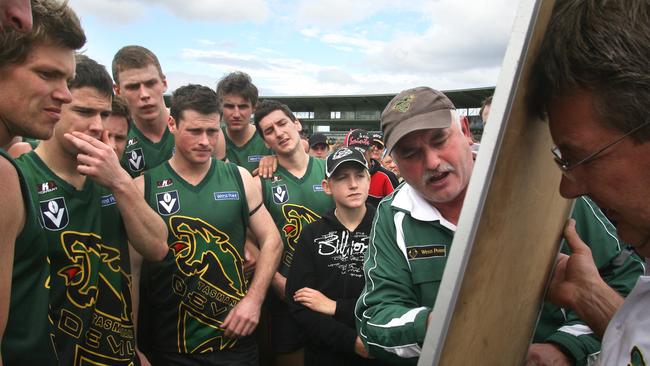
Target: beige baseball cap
414,109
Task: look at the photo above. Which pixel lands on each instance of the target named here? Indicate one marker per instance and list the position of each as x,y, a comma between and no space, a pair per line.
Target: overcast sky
309,47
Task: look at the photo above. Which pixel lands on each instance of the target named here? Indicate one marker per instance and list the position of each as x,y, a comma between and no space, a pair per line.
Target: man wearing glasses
415,226
593,83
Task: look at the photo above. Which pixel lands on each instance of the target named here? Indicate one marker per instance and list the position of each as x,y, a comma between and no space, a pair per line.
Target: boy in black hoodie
326,277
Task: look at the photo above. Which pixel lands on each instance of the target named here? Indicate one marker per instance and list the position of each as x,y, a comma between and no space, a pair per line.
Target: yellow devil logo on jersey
206,258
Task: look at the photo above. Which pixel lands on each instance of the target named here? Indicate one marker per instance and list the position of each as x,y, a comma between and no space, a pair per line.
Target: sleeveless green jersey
249,155
295,202
192,290
90,285
141,154
27,339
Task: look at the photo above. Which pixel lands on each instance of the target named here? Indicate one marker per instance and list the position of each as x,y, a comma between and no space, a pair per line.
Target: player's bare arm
278,282
136,269
12,220
243,318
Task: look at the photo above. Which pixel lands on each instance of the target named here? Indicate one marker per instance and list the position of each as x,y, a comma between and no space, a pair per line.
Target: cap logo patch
341,154
404,104
358,141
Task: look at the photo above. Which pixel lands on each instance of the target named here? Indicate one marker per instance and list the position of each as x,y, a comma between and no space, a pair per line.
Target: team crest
54,214
136,159
280,194
168,202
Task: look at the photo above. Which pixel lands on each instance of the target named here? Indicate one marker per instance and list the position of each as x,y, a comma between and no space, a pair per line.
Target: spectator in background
318,146
382,181
377,147
389,164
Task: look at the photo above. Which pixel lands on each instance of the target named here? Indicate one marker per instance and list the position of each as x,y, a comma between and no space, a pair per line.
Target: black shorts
244,354
284,331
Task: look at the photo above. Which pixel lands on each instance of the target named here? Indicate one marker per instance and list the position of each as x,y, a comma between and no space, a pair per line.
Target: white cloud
177,79
336,76
206,42
223,59
333,13
310,32
121,11
110,11
353,43
461,40
447,44
218,10
465,37
284,76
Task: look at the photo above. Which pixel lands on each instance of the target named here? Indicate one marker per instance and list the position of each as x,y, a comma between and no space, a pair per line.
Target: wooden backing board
510,226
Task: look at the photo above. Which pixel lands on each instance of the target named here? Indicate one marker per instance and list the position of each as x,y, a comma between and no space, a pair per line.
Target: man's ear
326,187
164,81
171,124
116,89
464,127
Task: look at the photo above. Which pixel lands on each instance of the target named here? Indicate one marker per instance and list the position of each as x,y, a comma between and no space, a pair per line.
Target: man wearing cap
377,153
378,147
318,146
414,229
326,277
382,181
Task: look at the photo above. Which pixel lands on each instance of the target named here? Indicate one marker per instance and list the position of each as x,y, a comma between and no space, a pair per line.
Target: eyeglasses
566,168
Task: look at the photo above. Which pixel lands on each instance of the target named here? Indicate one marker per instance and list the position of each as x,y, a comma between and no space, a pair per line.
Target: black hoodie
329,258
